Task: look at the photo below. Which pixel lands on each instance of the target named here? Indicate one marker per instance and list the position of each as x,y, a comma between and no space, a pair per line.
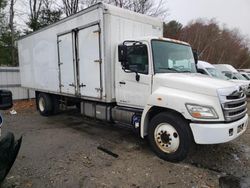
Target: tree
70,6
35,11
148,7
12,31
172,29
49,14
42,13
3,4
217,45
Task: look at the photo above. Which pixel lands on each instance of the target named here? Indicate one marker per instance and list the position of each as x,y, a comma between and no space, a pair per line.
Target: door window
138,58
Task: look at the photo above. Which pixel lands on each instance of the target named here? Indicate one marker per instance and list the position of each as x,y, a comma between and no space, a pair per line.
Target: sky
232,13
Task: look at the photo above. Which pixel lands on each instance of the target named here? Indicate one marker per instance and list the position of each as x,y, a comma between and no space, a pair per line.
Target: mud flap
9,149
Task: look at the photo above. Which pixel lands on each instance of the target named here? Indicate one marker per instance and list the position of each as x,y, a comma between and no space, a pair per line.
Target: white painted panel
38,54
89,65
66,58
10,80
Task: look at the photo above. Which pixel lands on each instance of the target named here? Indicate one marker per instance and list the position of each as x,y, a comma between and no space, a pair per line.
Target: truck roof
225,67
107,9
204,64
161,38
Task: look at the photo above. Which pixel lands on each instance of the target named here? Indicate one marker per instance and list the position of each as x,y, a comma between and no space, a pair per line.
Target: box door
66,63
89,62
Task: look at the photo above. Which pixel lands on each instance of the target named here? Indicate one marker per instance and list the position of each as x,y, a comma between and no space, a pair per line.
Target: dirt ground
63,151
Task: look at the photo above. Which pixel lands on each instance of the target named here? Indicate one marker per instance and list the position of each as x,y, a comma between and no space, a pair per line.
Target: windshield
238,76
216,73
172,58
246,76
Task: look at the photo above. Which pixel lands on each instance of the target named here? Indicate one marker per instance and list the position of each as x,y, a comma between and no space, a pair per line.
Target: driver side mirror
123,54
196,56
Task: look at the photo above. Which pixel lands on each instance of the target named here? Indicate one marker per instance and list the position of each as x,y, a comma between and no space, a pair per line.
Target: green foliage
49,16
3,4
172,29
33,24
46,17
5,49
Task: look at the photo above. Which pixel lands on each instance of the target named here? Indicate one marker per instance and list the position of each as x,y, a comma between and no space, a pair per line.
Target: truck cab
159,76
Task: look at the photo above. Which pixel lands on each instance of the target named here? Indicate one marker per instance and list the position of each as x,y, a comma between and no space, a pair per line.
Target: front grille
235,106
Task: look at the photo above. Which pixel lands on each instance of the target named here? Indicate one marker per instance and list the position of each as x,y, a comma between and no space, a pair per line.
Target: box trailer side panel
39,54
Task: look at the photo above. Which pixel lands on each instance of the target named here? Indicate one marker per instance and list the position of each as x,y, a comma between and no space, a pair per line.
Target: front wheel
170,136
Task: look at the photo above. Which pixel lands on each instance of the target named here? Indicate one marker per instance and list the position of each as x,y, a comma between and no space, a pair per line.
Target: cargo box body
76,56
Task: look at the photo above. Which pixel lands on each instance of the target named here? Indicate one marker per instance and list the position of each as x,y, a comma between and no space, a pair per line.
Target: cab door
134,89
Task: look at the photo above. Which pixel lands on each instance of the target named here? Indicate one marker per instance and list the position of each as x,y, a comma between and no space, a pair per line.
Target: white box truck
206,68
117,67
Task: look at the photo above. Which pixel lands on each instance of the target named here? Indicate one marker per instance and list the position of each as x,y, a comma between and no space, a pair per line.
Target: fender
175,100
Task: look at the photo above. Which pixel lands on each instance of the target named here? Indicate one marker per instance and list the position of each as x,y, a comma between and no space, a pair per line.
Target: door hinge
60,63
98,61
61,85
97,31
98,89
59,41
72,85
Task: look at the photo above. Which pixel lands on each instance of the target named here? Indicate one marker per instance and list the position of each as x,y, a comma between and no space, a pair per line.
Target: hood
241,82
193,82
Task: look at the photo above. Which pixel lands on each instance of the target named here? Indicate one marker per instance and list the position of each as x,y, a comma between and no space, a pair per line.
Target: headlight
201,112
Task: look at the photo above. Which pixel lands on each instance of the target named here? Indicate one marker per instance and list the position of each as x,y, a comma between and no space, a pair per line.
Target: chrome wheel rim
166,138
41,104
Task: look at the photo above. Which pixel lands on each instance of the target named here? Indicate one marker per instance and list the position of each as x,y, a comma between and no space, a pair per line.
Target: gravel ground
62,151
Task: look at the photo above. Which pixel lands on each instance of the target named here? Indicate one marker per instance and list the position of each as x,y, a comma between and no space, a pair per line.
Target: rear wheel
44,104
170,136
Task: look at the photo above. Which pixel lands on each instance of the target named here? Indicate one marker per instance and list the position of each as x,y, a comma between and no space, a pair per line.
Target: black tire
78,107
45,104
9,149
56,105
183,132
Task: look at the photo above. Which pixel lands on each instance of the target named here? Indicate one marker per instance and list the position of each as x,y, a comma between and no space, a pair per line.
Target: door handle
72,85
82,85
122,83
